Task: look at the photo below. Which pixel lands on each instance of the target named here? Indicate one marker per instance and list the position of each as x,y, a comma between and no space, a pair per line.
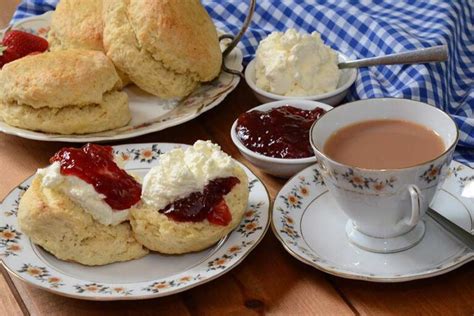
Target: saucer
312,228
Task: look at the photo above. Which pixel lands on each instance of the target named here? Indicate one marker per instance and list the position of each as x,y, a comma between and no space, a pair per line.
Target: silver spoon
419,56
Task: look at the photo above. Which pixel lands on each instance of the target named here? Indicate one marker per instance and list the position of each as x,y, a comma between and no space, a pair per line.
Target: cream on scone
78,208
64,92
166,47
81,193
190,200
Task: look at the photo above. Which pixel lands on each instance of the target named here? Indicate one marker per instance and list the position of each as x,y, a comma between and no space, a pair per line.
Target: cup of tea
383,160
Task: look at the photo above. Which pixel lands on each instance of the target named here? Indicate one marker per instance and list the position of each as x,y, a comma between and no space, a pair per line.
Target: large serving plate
311,227
154,275
149,113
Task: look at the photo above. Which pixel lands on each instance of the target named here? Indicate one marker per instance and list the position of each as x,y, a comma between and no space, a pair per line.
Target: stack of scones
165,47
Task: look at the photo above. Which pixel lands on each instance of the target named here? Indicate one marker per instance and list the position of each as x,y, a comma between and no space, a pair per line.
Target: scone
78,207
76,24
165,47
63,92
190,200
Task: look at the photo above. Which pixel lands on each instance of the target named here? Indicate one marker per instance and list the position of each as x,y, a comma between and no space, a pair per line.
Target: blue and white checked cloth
364,29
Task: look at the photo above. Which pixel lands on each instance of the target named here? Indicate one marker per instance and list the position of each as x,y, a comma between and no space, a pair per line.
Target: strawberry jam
95,165
281,132
208,204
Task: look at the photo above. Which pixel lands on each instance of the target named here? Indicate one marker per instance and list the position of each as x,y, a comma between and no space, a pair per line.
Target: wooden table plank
8,302
449,294
270,281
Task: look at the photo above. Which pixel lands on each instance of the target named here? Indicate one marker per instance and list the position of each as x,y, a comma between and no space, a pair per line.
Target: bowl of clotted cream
294,65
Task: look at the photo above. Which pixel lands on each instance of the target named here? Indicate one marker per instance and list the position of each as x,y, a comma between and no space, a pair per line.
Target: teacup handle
415,196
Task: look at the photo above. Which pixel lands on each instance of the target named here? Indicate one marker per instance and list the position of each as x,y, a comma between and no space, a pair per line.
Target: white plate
154,275
311,228
149,113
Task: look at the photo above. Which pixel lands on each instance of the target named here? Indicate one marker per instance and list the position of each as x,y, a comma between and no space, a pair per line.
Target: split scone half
66,216
190,200
165,47
63,92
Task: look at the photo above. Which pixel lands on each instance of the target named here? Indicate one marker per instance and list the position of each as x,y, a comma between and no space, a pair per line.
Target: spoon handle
419,56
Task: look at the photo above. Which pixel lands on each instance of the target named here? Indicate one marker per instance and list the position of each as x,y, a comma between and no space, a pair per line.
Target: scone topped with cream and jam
190,200
77,207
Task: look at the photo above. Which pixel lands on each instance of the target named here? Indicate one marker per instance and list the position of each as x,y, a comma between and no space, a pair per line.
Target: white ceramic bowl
348,77
280,167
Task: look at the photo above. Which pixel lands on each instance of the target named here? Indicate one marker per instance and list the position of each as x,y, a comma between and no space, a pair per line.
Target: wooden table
268,281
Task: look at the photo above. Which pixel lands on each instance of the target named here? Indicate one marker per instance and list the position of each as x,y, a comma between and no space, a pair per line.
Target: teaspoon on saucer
419,56
455,230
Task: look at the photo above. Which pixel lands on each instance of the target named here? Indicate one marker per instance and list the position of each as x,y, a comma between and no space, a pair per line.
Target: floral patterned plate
149,113
154,275
311,228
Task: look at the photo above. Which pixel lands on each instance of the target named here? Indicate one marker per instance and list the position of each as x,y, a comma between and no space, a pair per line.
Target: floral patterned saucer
311,228
154,275
149,113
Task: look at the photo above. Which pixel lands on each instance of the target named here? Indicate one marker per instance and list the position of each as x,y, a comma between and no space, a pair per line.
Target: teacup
385,206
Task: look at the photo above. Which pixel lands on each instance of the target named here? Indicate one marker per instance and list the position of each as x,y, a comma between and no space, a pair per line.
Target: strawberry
220,214
24,43
17,44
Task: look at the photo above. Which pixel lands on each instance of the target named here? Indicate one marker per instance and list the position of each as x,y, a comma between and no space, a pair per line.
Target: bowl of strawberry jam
275,136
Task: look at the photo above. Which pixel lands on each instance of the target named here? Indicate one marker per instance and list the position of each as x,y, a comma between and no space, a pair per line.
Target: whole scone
63,228
76,24
180,174
64,92
166,47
